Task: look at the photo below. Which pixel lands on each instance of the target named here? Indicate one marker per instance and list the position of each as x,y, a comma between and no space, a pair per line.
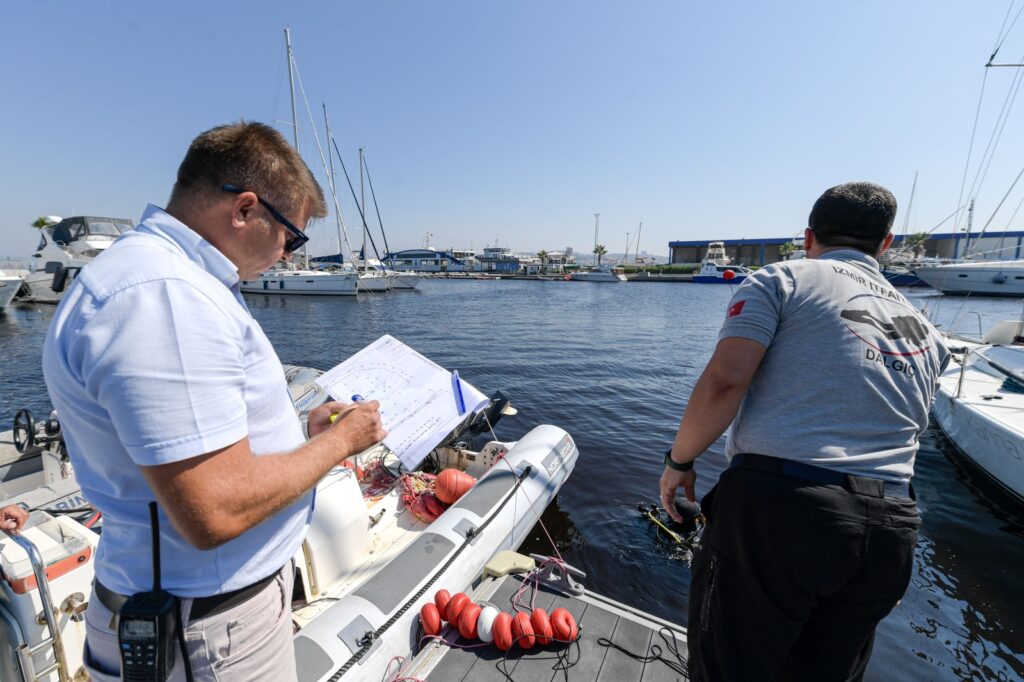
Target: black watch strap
671,464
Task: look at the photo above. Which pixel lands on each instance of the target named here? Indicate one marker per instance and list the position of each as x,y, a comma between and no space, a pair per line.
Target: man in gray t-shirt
826,374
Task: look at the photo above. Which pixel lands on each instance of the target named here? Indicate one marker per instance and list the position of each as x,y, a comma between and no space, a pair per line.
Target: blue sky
513,122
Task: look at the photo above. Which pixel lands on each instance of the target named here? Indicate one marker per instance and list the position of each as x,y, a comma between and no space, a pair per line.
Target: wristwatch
672,464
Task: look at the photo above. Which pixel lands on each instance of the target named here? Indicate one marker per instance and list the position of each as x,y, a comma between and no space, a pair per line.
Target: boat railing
48,617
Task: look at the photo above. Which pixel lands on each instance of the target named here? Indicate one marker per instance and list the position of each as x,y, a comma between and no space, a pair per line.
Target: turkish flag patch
735,309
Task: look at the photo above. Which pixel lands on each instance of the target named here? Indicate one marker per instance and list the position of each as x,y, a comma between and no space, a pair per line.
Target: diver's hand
671,481
13,518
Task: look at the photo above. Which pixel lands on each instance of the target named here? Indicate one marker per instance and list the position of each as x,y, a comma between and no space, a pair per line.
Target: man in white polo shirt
168,390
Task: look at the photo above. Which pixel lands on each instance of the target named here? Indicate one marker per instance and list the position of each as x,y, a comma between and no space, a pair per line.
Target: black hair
854,214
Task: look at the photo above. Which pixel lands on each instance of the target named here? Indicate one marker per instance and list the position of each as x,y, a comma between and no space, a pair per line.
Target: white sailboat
602,272
283,280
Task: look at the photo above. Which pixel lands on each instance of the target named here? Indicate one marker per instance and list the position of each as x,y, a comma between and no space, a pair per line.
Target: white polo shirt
152,357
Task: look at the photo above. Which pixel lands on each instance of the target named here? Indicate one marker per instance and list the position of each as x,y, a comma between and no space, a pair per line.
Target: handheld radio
147,625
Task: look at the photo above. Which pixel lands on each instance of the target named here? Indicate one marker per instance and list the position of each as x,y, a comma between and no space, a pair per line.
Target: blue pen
358,399
460,403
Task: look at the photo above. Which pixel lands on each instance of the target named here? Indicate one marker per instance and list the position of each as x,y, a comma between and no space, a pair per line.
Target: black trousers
793,577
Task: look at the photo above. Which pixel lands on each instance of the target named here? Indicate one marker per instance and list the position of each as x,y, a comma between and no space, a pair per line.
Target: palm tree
916,243
41,222
543,255
786,250
599,251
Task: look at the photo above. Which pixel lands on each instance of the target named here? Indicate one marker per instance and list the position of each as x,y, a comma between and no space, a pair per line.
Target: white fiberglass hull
986,422
988,278
305,282
9,288
597,277
501,515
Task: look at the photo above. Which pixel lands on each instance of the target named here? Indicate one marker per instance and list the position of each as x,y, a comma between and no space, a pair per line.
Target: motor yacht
64,249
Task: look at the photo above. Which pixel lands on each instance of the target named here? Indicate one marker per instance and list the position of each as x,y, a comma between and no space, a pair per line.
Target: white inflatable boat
365,569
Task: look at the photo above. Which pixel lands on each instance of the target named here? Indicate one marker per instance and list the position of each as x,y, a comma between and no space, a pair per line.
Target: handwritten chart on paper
417,399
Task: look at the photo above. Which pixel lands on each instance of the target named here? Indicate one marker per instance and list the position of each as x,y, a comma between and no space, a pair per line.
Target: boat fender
441,600
430,619
455,606
522,630
453,484
501,628
563,625
468,619
541,626
485,624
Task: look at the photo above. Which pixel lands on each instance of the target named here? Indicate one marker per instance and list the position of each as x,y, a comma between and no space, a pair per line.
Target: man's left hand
671,481
13,518
320,417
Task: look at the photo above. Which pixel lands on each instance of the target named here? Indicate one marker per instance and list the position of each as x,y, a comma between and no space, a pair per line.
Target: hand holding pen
359,420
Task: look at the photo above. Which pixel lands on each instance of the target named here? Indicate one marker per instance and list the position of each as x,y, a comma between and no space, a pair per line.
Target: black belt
875,487
201,606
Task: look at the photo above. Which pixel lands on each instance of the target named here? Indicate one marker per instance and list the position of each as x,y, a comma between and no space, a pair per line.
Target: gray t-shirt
849,372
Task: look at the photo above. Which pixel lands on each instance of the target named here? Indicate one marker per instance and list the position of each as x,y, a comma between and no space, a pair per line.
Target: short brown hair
252,156
854,214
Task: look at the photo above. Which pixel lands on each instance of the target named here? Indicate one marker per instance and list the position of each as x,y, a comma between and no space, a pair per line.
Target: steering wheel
24,430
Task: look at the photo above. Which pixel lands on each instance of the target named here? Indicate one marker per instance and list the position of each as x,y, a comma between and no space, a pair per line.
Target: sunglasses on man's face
296,237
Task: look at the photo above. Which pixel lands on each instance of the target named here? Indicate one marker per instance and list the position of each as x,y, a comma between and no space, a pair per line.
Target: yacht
600,273
983,277
980,403
281,280
64,249
716,266
10,285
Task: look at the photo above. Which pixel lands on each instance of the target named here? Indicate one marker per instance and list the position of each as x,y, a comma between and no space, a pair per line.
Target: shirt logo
735,309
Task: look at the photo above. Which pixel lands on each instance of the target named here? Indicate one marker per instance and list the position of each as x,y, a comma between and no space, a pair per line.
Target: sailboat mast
295,118
334,190
636,250
597,222
362,203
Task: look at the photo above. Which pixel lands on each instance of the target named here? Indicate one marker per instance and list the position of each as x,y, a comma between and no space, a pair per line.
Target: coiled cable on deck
655,651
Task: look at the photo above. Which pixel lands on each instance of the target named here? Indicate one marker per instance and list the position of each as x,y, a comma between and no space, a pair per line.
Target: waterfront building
1008,245
429,260
498,259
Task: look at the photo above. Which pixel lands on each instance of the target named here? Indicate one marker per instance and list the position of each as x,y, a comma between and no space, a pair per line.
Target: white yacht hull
985,421
9,288
305,282
597,277
988,278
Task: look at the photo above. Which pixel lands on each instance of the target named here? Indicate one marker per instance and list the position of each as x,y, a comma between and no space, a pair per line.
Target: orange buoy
467,621
453,484
441,600
502,630
430,619
522,631
563,625
455,606
541,626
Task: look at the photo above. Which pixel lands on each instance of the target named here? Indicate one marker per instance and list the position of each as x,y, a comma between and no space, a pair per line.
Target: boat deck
599,618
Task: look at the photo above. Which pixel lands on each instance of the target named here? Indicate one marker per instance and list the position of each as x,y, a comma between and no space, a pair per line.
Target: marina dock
601,621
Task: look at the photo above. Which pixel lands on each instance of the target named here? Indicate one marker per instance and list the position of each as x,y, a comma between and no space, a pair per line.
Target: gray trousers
251,641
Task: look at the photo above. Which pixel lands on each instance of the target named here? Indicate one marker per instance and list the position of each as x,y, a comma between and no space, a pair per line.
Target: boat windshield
107,228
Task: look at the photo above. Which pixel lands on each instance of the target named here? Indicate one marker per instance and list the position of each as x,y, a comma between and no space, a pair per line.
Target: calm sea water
614,365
